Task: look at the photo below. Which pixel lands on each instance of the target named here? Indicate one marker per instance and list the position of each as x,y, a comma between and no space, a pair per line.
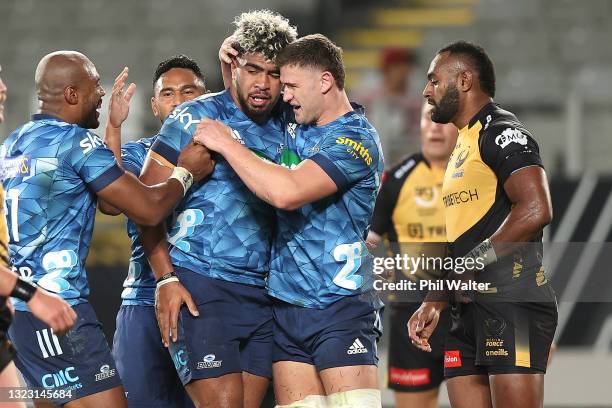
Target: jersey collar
482,114
45,116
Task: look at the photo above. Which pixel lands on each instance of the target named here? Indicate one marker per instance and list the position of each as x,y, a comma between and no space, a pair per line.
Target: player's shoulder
209,105
405,167
500,127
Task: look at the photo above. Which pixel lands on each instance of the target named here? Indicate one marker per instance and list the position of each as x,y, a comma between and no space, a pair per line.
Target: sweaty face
441,90
256,84
302,90
2,98
174,87
437,140
90,97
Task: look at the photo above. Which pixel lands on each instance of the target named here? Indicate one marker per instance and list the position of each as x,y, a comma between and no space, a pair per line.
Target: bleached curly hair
263,31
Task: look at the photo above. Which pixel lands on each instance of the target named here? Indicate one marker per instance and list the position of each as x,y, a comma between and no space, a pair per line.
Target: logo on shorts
209,362
105,372
452,358
409,378
60,378
357,348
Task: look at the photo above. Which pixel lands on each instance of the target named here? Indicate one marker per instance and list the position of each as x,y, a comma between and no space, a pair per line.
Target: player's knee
311,401
362,398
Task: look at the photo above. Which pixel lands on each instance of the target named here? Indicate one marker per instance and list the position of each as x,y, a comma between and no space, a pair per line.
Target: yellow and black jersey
3,232
409,213
489,149
409,207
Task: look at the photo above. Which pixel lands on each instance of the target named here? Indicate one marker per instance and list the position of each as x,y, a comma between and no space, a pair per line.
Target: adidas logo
357,348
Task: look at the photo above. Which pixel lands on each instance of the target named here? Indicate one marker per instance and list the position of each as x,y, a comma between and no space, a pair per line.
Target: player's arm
49,308
515,158
381,218
118,110
149,205
281,187
170,293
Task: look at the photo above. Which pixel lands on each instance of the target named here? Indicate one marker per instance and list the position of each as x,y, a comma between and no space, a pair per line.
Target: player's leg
255,388
469,391
415,375
517,390
76,365
294,381
9,379
221,392
147,371
113,398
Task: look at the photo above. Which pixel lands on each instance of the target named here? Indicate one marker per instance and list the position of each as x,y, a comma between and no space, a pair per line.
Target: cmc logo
59,379
179,361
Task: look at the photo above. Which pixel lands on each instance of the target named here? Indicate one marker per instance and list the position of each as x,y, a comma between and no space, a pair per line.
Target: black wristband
166,276
23,290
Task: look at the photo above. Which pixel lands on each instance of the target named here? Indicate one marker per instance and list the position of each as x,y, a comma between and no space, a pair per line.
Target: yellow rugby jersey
409,213
3,232
489,149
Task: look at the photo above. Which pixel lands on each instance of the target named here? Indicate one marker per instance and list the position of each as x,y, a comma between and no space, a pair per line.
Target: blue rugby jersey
222,230
51,171
319,253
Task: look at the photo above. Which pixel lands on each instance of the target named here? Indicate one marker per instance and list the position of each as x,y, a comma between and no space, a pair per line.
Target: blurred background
553,61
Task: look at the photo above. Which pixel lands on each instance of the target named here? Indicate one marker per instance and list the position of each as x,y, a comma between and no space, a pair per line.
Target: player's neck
55,111
471,107
336,104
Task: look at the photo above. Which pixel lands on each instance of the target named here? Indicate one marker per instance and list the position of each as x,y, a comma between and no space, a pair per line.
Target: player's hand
213,134
119,104
227,52
197,160
422,324
168,301
52,310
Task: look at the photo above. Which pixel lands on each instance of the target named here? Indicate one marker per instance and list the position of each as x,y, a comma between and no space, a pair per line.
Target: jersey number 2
13,195
351,254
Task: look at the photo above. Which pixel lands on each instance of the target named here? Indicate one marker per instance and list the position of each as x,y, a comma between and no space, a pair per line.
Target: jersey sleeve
133,155
383,210
507,149
348,156
177,132
93,162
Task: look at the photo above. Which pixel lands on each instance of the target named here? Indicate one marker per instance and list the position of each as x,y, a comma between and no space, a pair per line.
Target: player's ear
327,81
154,107
465,81
71,95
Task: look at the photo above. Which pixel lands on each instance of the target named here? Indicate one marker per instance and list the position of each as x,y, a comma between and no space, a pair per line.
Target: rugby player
49,308
54,168
409,213
496,204
326,313
136,345
221,240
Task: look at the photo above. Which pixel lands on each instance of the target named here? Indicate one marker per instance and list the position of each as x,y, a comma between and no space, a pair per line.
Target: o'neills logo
356,149
452,358
460,197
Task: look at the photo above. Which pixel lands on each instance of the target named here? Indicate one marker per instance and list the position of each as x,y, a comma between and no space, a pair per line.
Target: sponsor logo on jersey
357,348
209,361
90,142
105,372
399,173
462,157
15,167
426,196
452,358
414,377
184,117
460,197
511,135
356,149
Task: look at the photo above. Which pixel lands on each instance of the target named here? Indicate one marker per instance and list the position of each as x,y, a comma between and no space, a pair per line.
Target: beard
256,114
447,108
90,120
